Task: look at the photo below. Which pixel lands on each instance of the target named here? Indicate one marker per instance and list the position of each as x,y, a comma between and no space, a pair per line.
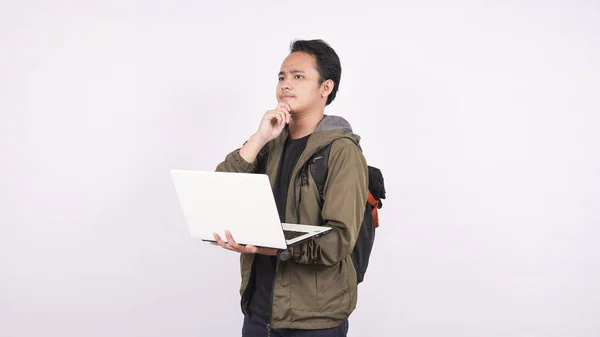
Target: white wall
489,111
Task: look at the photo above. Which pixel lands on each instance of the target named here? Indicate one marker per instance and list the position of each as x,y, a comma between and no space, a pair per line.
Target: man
315,291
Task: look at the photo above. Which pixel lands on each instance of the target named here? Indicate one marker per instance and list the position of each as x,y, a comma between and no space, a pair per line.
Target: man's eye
280,79
299,76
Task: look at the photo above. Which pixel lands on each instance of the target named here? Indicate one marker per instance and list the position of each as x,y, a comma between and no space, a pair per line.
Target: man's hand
270,127
273,122
235,247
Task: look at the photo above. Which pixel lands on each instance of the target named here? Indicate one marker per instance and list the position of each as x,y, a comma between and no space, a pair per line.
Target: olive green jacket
316,289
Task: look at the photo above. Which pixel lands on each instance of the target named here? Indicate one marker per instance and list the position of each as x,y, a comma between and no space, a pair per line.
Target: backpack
376,191
318,167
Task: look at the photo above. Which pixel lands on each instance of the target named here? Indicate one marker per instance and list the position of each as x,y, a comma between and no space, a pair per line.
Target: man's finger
285,106
250,249
285,115
220,241
231,242
273,114
287,109
277,116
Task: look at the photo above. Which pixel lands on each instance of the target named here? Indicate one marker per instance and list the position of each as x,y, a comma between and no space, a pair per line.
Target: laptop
242,203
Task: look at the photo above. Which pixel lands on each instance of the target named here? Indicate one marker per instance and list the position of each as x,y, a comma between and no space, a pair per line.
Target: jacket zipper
302,182
297,204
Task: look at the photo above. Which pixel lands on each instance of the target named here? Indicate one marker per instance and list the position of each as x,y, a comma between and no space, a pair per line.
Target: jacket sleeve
345,197
234,162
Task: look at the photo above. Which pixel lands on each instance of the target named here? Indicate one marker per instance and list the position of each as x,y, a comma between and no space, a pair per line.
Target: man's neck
303,125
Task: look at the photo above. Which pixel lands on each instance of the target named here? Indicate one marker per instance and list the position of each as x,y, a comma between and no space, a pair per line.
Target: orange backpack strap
374,203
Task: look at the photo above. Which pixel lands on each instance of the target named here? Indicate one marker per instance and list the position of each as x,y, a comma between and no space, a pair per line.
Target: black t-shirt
264,266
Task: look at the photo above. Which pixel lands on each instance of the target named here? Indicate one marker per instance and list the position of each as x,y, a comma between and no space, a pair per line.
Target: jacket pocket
321,288
332,285
303,288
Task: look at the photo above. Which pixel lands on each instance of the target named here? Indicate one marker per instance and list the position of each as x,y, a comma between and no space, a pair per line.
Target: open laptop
242,203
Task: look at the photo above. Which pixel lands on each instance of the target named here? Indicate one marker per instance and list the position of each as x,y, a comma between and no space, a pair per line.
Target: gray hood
334,123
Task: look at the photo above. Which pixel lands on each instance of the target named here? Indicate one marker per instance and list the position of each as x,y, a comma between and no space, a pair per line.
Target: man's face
298,83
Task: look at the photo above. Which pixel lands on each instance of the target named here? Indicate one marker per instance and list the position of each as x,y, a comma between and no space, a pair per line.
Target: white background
484,117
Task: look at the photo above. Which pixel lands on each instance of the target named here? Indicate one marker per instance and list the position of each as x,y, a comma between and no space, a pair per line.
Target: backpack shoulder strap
319,167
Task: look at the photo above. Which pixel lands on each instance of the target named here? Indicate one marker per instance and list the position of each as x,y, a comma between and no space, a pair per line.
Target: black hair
328,62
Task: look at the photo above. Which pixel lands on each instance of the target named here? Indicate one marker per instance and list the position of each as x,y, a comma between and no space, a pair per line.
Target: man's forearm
251,149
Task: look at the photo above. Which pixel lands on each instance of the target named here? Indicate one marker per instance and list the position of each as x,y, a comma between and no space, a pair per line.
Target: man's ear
327,87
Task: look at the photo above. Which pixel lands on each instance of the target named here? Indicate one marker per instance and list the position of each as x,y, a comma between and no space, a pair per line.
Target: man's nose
285,85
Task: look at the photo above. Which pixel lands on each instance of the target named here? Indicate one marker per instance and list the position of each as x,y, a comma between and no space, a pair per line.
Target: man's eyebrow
292,71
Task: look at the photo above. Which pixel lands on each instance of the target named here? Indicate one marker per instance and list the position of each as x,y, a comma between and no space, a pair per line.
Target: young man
315,291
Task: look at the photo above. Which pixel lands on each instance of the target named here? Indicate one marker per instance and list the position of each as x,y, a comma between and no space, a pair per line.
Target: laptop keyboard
289,235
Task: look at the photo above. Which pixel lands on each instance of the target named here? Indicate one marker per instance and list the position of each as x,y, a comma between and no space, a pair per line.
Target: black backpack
318,167
366,235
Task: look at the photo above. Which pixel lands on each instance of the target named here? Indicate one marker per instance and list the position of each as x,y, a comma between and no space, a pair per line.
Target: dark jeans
255,326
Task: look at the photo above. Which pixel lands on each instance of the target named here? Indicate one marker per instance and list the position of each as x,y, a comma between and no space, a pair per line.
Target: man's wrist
252,147
258,140
285,254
